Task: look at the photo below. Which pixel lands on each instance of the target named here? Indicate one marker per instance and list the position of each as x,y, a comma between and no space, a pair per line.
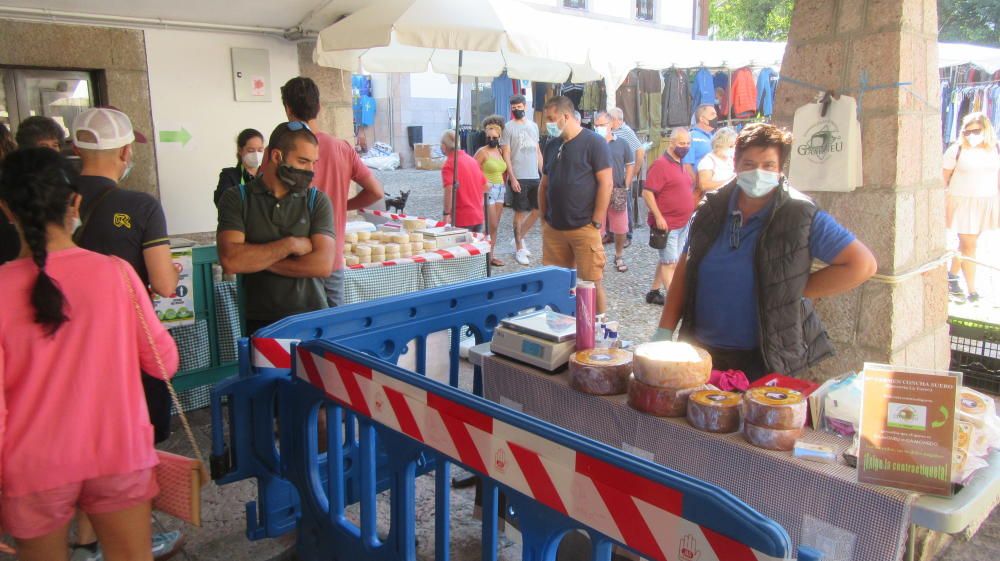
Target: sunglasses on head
297,126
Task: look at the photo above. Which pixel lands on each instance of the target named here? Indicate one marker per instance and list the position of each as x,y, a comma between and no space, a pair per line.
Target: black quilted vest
792,338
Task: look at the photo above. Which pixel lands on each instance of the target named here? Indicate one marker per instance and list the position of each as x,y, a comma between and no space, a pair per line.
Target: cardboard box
429,163
422,151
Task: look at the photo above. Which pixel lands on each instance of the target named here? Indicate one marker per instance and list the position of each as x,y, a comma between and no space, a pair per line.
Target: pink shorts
618,221
39,514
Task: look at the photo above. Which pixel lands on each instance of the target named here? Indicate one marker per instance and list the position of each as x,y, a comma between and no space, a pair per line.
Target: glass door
59,94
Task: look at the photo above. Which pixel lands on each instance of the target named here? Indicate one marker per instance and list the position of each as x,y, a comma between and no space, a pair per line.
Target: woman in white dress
716,169
972,182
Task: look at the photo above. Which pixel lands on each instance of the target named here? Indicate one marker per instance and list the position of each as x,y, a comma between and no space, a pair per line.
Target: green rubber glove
663,334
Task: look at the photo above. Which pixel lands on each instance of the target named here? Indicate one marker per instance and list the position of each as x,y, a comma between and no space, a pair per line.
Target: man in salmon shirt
337,166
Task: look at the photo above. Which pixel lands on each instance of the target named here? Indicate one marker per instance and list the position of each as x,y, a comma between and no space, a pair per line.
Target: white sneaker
526,251
522,257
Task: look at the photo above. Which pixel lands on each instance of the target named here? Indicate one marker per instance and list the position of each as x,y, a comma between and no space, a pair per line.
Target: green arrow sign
182,136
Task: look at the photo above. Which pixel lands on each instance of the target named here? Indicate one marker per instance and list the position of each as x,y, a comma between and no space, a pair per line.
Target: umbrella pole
458,143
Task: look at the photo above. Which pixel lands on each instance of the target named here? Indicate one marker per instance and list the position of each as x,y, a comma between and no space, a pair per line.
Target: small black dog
398,203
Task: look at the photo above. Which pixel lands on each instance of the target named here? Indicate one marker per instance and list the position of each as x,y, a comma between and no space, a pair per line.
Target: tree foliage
754,20
969,21
961,21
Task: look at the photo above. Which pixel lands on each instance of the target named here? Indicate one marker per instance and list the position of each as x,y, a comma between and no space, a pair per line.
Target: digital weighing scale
446,236
545,339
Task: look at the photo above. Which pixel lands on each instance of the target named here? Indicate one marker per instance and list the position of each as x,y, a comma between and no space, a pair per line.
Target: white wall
191,86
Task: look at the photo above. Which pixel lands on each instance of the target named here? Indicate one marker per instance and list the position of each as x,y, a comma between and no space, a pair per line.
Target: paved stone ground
222,536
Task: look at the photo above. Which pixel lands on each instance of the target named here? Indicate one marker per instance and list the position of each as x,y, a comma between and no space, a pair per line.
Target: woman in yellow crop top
494,168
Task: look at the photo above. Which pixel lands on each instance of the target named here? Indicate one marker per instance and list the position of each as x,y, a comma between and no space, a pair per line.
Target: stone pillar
899,212
336,114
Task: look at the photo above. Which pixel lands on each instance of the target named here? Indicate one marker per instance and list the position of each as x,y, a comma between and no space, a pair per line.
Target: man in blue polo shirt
701,139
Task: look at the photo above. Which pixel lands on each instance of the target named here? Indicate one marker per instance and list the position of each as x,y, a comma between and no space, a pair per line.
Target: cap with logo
107,128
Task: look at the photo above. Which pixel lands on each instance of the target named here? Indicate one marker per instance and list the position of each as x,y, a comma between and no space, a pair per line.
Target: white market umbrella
479,38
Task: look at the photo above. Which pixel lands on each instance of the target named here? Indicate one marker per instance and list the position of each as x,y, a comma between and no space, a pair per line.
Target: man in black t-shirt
126,224
574,194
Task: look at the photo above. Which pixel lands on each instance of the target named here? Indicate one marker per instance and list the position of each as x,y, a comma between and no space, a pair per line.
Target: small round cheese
430,245
666,364
771,439
600,371
392,248
972,407
352,260
411,224
415,237
351,237
416,247
401,238
662,402
775,408
364,236
363,250
714,411
364,259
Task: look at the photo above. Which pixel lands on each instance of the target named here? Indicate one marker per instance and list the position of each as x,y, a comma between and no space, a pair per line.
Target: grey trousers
334,285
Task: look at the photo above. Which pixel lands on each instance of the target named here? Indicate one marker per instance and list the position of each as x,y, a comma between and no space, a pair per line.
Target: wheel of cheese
662,402
411,224
363,250
392,248
430,245
416,247
666,364
364,259
600,371
378,250
415,237
351,237
364,236
972,407
714,411
771,439
401,238
775,408
352,260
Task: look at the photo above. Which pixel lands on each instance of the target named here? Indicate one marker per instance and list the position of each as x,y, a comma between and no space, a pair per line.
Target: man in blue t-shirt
574,194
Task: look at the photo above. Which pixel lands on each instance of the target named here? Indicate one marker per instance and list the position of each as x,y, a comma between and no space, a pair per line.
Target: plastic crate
975,351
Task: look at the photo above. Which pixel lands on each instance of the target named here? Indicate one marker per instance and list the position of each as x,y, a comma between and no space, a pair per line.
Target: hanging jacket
721,80
744,93
765,92
703,88
676,100
792,338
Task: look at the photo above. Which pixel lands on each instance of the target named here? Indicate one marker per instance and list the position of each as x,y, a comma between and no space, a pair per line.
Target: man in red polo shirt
471,186
668,195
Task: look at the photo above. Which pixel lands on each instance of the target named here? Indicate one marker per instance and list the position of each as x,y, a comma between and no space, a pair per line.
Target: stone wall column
899,211
336,114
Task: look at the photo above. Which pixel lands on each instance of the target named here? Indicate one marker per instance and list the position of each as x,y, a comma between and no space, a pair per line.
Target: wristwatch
595,224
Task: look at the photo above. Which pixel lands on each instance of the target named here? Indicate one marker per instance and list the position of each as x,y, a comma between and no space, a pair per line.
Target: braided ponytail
36,190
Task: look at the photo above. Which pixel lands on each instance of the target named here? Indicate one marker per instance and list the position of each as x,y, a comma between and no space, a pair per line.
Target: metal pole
458,143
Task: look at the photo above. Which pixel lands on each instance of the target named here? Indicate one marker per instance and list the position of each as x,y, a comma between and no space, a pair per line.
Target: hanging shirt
721,82
367,111
503,89
744,93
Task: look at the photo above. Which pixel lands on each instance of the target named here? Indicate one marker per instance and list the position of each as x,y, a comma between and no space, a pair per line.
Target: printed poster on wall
178,309
908,428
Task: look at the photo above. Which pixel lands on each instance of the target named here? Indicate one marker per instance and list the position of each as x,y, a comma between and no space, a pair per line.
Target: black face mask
493,142
297,180
519,114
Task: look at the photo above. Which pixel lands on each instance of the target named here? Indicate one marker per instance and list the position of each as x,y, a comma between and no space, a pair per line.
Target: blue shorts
676,239
496,193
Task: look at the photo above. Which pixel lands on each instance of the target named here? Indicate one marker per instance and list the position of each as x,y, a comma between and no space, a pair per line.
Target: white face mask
128,170
975,139
757,183
602,131
253,160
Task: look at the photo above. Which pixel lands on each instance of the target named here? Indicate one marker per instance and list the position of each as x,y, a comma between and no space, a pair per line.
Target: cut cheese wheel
771,439
714,411
600,371
662,402
775,408
666,364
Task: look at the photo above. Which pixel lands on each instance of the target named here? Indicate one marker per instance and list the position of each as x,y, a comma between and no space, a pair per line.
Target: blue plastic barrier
398,425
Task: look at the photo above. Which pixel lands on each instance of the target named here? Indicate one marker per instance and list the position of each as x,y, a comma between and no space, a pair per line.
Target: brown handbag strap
159,360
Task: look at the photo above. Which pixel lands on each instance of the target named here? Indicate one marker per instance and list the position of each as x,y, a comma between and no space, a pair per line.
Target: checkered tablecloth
227,316
820,505
361,285
192,345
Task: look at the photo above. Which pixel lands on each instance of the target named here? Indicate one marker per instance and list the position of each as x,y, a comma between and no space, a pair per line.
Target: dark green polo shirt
270,297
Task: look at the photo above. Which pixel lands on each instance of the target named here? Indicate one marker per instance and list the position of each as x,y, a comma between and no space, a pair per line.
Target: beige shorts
579,249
